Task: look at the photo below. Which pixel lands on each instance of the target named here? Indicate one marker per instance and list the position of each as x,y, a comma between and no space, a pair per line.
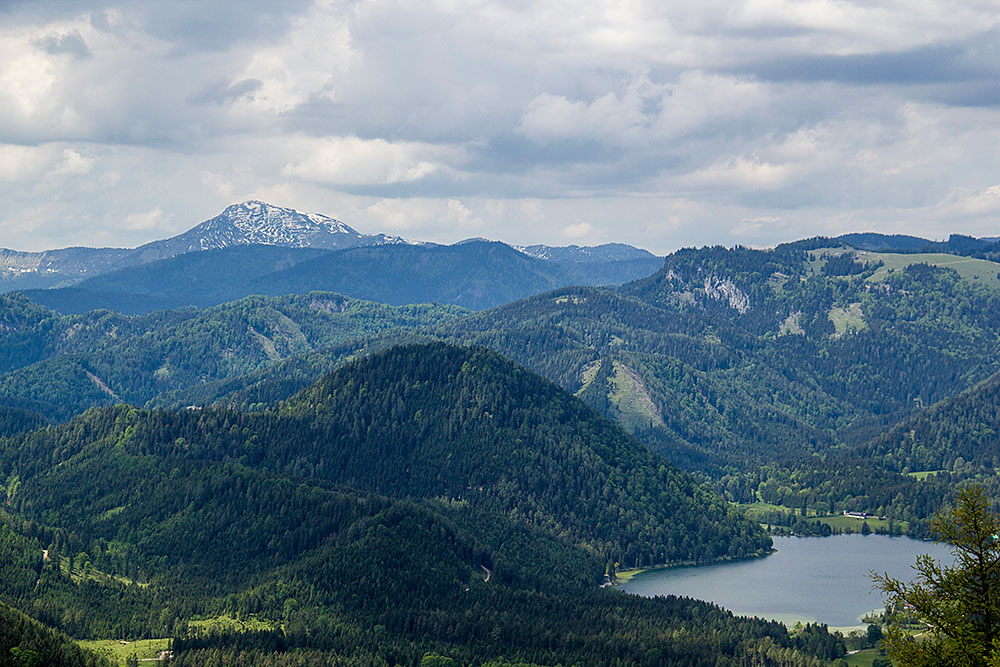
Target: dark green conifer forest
315,479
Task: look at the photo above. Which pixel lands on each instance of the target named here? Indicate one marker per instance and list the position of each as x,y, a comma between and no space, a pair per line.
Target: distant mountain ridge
607,252
957,244
473,274
258,223
248,223
48,363
31,270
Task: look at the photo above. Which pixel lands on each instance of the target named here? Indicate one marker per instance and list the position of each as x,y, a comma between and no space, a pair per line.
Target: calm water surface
821,579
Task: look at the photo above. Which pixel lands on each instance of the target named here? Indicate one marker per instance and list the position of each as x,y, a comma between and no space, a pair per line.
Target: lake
824,579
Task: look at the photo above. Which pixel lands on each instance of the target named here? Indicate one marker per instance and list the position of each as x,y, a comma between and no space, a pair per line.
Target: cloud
753,226
964,204
356,161
742,173
462,216
579,230
21,163
71,43
144,221
215,26
987,201
223,92
662,124
73,164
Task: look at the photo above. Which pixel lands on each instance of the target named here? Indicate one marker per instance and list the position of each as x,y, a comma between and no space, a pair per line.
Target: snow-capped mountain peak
255,222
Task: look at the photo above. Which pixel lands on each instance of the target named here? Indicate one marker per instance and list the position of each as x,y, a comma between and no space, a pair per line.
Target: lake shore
807,579
624,576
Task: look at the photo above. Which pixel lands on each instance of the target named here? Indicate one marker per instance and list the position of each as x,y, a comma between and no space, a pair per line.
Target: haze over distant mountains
248,223
258,248
258,223
796,376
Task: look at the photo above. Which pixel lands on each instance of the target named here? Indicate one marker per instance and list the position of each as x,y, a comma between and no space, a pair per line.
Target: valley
367,450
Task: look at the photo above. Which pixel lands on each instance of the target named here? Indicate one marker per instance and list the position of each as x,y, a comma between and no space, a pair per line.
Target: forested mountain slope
433,421
959,432
474,274
198,279
61,365
444,497
24,641
728,356
169,272
13,420
723,356
735,354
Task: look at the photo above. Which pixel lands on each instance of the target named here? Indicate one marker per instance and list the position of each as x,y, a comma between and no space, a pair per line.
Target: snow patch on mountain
256,222
608,252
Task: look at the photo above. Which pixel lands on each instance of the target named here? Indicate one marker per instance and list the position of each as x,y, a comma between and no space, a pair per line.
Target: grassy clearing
629,395
760,506
252,624
83,571
863,658
118,651
923,474
622,576
777,281
852,525
838,522
978,271
587,374
791,325
817,259
847,320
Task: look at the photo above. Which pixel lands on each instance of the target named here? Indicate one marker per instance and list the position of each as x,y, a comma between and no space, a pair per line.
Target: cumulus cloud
21,163
356,161
71,43
144,221
73,164
659,124
578,231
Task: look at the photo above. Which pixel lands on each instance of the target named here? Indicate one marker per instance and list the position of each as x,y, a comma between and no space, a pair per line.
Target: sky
659,124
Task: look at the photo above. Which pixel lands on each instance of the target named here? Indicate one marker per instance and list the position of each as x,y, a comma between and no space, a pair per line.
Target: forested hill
723,357
906,473
59,365
26,642
734,355
958,432
438,421
426,498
